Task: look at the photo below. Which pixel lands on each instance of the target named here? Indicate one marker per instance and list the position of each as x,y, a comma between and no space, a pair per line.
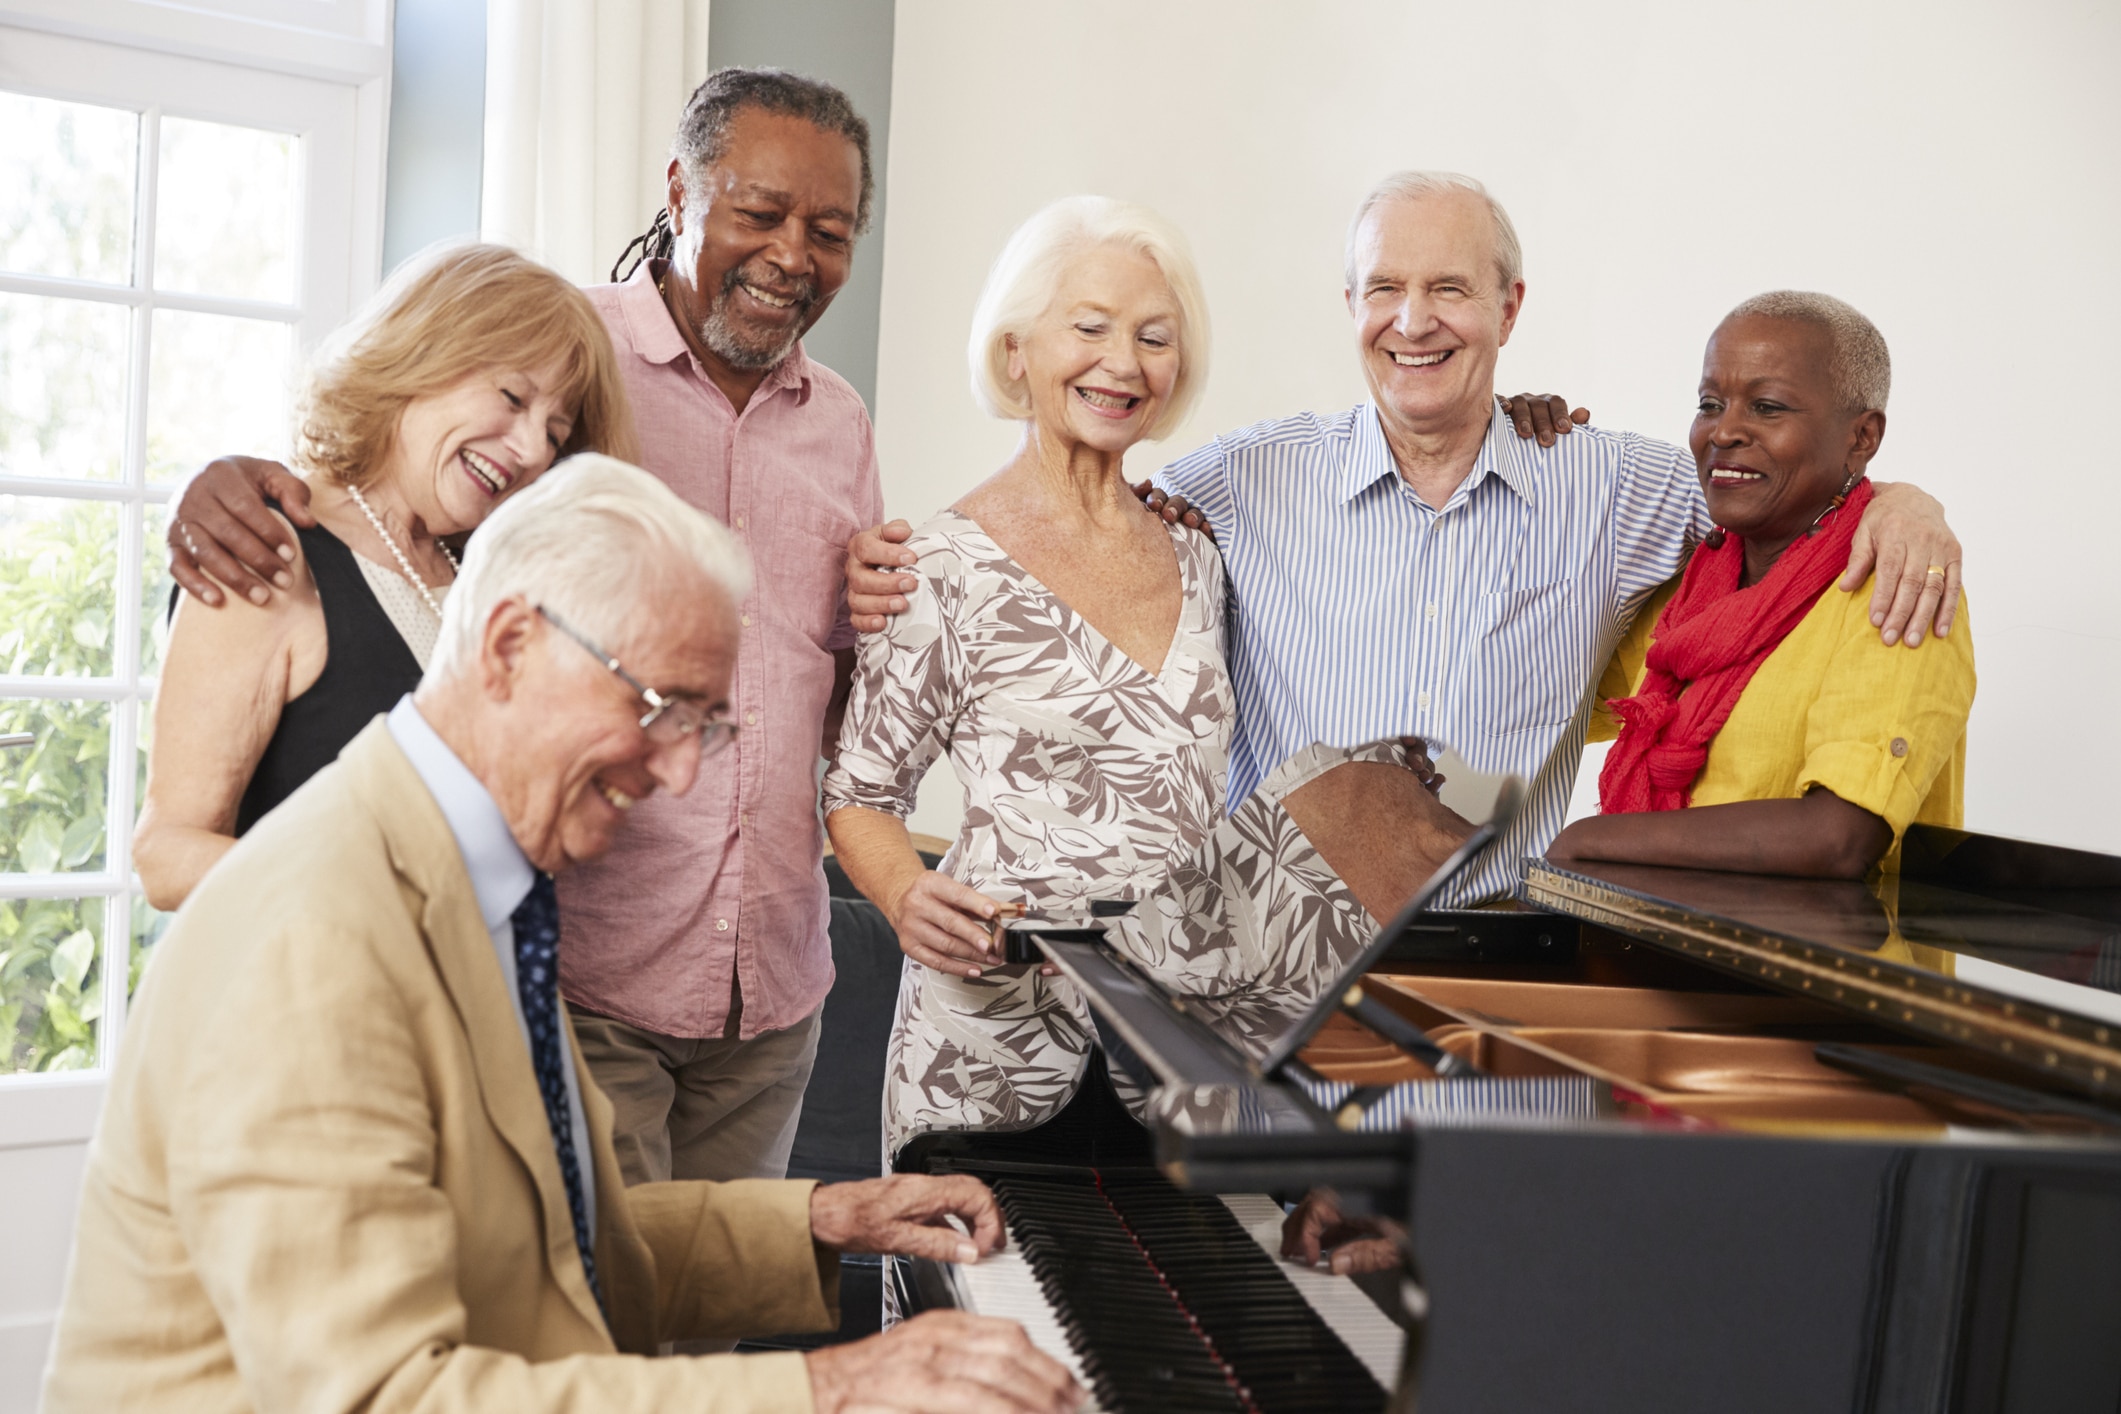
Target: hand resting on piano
1355,1245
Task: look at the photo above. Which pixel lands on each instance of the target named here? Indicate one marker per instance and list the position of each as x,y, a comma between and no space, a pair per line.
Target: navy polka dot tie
537,929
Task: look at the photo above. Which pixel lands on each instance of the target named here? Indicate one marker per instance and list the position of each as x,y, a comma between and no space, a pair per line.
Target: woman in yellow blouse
1752,694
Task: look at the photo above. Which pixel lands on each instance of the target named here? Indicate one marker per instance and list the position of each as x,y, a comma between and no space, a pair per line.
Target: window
174,234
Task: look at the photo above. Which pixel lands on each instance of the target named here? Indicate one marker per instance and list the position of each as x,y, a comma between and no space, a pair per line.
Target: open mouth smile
1426,360
618,798
484,472
767,298
1107,403
1734,475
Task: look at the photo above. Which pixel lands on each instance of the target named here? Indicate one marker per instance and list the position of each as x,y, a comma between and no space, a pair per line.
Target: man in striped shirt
1413,566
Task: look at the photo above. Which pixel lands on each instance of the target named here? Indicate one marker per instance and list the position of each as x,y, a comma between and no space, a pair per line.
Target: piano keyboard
1162,1300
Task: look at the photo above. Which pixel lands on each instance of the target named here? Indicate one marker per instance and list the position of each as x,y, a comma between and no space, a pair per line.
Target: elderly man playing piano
1411,568
350,1159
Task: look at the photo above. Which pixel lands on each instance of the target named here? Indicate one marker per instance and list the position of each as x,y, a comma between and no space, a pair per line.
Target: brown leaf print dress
1086,777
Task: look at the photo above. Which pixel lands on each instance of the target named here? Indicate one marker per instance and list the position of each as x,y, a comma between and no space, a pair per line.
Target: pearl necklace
403,563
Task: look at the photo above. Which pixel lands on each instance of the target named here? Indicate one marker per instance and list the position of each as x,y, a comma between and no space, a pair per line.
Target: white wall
1948,167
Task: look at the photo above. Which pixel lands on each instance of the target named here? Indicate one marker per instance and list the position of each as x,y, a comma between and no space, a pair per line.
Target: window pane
226,211
58,570
62,386
215,385
66,188
51,983
155,585
52,794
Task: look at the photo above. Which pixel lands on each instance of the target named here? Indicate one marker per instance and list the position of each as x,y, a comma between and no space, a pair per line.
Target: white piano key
1003,1284
1339,1302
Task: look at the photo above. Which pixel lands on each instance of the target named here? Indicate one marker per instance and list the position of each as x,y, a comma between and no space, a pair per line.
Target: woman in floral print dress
1065,651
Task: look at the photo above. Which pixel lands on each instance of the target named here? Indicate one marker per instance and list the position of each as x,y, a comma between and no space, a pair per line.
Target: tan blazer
324,1181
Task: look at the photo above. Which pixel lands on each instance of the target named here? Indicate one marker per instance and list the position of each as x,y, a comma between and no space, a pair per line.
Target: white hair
1405,186
596,540
1026,278
1861,369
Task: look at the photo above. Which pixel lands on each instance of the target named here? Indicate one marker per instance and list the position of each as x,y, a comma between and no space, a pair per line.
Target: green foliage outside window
58,571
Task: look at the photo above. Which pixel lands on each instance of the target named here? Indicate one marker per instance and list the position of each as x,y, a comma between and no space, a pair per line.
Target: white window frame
329,86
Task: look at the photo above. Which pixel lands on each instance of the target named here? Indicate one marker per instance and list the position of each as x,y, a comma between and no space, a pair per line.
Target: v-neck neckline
1179,631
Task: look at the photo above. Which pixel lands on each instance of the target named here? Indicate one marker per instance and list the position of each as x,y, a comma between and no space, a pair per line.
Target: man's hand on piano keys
951,1362
1354,1245
908,1215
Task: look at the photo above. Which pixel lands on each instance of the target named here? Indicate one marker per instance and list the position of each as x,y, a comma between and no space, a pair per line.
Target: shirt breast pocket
1528,669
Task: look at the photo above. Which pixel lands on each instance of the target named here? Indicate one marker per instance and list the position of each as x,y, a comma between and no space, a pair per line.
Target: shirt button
739,522
751,719
747,620
1432,612
1899,746
721,925
1422,701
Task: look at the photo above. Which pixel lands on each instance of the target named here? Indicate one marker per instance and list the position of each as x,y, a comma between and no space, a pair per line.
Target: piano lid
2003,946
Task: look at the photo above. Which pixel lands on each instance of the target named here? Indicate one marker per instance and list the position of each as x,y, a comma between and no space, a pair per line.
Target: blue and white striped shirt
1358,612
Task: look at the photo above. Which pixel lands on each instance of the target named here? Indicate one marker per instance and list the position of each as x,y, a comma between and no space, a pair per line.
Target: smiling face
459,451
1100,363
578,759
767,242
1772,443
1431,311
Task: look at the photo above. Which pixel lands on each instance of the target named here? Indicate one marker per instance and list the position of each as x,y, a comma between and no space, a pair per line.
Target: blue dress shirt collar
501,874
1369,458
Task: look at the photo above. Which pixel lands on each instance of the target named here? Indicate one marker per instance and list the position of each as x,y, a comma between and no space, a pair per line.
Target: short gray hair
1861,369
1405,186
1027,275
596,540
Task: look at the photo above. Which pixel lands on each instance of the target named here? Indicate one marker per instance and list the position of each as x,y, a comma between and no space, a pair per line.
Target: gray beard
735,347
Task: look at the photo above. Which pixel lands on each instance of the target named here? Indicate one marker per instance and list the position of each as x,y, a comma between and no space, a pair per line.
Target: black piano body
1860,1144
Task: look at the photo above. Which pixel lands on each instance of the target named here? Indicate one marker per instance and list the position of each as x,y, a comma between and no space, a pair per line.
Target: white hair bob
1027,276
1406,186
596,540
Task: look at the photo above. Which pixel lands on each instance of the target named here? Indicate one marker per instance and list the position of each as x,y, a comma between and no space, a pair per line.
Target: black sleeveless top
367,668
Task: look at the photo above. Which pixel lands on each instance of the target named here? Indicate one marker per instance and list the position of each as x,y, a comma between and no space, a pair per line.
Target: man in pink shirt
694,956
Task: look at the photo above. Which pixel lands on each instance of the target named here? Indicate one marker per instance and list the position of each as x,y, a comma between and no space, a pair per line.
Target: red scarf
1712,639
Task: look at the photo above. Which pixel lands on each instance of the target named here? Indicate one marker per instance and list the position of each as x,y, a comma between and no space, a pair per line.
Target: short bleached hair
452,311
1027,276
1861,368
1408,186
597,541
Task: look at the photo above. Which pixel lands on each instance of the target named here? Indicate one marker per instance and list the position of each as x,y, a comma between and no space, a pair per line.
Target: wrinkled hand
1355,1244
1901,535
223,529
945,1361
1419,763
1174,509
1544,416
908,1215
875,591
945,925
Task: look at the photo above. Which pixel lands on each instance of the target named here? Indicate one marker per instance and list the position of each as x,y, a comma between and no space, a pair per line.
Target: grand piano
1657,1140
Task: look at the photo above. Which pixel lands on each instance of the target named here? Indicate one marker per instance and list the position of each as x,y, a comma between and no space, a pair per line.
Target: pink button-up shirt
730,875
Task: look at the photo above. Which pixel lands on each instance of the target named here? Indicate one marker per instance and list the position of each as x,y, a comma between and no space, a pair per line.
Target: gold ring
1937,570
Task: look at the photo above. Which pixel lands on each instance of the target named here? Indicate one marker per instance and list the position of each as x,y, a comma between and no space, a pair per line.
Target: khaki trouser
717,1109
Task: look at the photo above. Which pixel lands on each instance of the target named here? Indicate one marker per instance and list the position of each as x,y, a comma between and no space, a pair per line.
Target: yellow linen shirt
1883,728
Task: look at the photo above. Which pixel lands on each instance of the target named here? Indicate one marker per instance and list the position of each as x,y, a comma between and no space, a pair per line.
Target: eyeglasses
668,720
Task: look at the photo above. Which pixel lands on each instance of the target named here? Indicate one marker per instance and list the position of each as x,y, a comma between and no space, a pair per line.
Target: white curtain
582,97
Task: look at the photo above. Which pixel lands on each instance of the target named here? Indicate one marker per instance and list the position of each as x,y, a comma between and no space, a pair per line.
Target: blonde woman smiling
463,380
